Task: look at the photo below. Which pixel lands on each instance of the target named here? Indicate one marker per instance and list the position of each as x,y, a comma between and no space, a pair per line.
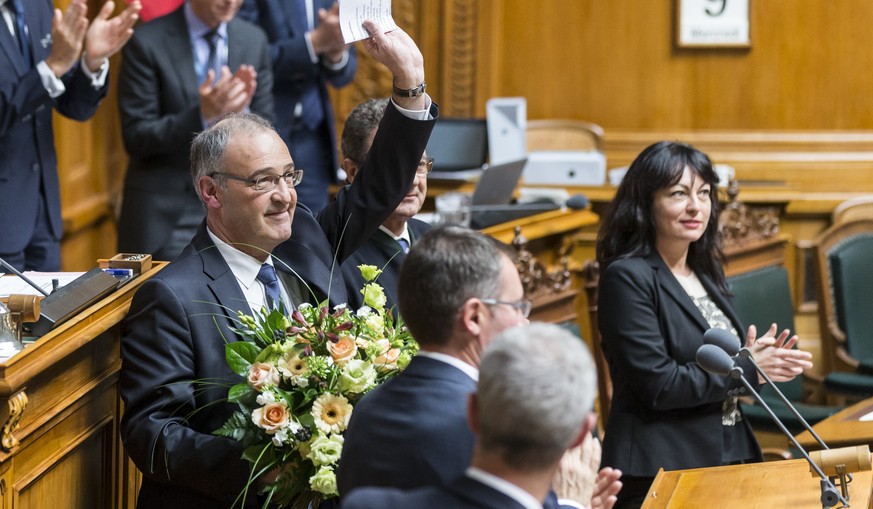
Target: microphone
714,360
722,339
577,202
731,345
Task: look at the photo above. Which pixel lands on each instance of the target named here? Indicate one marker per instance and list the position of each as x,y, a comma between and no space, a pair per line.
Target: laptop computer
492,198
459,147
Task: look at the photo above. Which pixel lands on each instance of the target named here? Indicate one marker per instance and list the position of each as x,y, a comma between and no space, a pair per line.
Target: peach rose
262,374
271,417
343,350
388,360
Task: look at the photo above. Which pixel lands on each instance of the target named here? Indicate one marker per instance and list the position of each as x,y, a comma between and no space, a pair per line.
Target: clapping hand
776,356
68,34
230,94
106,36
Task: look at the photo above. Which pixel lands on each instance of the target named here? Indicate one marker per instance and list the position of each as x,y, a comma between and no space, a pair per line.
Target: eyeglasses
524,305
424,166
266,183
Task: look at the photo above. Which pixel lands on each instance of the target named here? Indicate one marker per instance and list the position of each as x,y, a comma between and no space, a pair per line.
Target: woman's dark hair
628,227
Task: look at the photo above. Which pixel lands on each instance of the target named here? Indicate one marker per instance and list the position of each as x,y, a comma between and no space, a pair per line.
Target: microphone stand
829,494
745,352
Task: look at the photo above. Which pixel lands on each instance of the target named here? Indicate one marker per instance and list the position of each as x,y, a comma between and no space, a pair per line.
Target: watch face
412,92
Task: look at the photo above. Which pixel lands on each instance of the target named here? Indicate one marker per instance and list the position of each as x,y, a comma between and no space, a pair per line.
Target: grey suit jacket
666,410
160,114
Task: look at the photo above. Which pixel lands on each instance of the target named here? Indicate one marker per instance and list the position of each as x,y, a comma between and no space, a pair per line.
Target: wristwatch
412,92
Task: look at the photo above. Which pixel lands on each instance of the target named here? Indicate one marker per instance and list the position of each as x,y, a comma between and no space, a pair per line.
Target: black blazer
666,410
179,321
384,252
160,114
28,163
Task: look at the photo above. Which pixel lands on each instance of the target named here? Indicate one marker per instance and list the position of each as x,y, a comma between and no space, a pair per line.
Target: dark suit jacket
293,70
461,493
28,164
160,114
178,323
666,410
384,252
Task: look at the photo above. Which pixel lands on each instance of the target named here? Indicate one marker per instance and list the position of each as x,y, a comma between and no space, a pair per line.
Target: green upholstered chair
762,297
844,283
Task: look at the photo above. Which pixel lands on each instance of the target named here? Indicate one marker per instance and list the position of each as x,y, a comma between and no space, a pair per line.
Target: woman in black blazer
662,287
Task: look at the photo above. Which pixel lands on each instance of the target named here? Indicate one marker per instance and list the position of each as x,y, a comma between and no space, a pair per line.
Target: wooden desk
759,485
843,428
60,410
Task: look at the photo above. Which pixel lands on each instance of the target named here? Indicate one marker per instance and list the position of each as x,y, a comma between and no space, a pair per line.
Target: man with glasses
458,289
174,378
386,248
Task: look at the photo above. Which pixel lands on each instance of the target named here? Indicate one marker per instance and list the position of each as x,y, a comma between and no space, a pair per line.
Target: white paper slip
11,284
866,417
352,14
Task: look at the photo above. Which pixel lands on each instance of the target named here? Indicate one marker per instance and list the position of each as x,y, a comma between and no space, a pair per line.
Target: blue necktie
267,276
213,60
404,245
21,31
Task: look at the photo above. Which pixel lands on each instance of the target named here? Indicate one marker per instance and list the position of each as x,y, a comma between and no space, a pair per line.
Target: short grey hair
209,146
360,123
537,384
447,266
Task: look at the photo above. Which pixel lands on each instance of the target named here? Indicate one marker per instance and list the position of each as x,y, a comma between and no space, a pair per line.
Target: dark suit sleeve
262,102
383,181
289,54
631,311
161,399
153,125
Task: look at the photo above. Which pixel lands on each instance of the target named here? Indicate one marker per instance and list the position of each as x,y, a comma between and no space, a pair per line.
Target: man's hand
68,34
106,36
577,477
327,37
230,94
398,52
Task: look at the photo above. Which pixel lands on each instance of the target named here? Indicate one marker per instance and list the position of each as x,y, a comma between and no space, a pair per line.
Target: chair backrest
762,297
856,208
844,287
563,135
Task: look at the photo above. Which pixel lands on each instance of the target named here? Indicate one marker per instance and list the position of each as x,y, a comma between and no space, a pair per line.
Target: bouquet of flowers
304,373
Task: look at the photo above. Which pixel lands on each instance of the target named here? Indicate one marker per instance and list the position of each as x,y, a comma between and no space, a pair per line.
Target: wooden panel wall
615,63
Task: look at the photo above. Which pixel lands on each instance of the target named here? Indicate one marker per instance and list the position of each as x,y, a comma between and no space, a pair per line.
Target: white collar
503,486
243,266
403,235
469,370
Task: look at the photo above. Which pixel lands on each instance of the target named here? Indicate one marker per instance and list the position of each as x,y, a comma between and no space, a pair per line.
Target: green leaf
240,392
240,356
235,427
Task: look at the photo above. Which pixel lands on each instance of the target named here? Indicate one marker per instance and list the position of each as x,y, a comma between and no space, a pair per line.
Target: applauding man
49,60
181,73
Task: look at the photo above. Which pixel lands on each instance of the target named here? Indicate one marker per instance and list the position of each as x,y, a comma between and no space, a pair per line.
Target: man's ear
209,192
587,425
472,316
351,169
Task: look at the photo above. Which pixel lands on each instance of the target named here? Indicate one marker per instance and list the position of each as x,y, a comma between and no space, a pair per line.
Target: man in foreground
534,402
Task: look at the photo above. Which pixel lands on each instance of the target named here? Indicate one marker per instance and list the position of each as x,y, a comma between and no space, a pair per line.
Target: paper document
11,284
352,14
866,417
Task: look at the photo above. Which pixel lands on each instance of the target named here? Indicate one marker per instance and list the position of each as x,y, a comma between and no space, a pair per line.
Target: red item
152,9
